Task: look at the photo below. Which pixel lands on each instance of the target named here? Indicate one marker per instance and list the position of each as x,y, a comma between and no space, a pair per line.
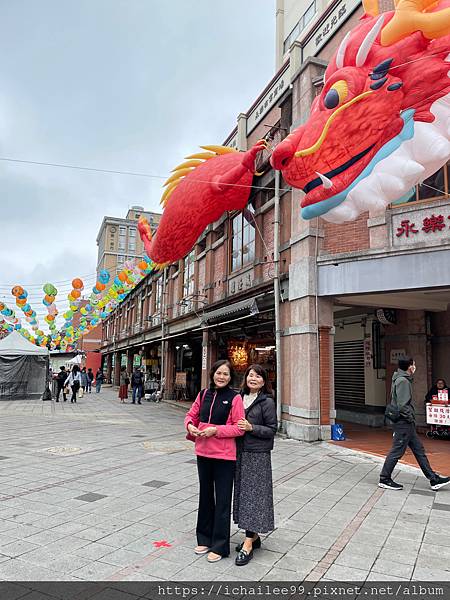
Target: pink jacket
222,445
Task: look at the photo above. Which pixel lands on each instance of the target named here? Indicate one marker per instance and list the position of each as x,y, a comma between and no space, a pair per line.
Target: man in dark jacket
60,379
405,431
137,382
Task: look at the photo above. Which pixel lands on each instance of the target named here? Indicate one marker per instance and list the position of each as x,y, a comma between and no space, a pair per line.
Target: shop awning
238,309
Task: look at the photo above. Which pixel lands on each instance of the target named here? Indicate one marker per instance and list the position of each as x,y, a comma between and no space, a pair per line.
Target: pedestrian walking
60,383
402,414
212,423
99,379
124,382
253,489
137,384
84,379
74,381
90,376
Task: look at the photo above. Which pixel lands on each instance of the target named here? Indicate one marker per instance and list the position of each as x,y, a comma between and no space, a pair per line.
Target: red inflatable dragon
197,194
381,123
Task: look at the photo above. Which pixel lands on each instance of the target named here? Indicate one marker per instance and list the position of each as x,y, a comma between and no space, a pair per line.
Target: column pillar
116,376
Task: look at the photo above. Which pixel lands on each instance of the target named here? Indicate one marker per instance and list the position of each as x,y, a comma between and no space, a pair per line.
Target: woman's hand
193,430
208,432
244,425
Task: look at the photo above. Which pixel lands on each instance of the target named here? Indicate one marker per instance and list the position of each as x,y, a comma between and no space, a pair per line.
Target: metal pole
276,290
163,342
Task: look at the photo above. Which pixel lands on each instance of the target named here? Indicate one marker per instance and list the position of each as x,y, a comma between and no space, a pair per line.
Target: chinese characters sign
426,225
268,100
327,28
438,414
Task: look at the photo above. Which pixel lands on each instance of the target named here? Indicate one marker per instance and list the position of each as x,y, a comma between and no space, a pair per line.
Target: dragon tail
146,234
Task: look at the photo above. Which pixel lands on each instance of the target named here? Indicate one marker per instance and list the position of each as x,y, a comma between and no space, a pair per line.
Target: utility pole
276,292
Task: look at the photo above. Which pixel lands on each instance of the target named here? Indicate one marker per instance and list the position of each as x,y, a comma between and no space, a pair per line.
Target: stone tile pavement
101,491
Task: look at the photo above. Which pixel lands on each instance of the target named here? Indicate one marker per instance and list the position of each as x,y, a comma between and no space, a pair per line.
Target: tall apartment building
118,239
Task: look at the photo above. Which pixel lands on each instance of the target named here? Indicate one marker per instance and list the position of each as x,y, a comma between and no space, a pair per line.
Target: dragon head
380,124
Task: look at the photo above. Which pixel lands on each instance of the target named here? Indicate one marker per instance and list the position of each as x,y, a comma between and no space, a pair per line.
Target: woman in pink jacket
212,423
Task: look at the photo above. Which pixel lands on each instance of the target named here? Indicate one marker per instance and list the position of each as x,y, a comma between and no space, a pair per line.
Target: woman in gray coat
253,490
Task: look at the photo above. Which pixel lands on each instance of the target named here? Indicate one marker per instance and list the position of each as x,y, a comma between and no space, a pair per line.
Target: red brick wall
267,250
346,237
219,262
325,375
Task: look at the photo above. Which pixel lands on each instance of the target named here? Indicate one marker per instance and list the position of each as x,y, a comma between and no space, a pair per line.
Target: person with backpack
137,384
401,412
60,383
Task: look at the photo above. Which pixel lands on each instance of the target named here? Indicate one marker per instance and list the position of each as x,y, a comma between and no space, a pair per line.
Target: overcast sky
130,85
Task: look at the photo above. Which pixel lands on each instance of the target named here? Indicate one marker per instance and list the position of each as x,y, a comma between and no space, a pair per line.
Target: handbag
189,435
81,393
392,411
127,381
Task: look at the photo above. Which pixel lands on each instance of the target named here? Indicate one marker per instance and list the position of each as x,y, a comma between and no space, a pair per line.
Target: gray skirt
253,492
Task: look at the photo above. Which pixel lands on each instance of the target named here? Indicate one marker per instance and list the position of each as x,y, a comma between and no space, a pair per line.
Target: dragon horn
219,149
201,155
340,55
368,41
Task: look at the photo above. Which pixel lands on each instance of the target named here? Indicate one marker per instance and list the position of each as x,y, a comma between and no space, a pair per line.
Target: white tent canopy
23,367
76,360
15,344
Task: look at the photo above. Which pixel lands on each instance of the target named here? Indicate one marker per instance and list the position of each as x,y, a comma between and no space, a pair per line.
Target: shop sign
180,378
438,415
137,360
123,360
428,226
396,355
269,100
327,28
204,357
243,282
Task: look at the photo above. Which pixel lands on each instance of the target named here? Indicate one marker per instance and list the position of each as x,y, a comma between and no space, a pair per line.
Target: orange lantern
17,291
76,293
122,276
100,286
77,284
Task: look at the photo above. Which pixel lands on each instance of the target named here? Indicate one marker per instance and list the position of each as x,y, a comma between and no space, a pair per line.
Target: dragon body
198,192
381,124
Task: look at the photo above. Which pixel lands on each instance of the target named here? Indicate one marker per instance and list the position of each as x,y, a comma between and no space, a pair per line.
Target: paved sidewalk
105,491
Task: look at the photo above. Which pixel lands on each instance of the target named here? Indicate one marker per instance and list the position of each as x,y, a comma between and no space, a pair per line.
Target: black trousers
75,387
216,487
405,435
58,392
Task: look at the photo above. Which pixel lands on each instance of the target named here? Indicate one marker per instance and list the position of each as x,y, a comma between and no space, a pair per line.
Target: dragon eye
337,94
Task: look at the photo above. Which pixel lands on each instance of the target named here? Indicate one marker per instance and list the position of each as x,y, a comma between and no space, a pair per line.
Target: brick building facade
353,296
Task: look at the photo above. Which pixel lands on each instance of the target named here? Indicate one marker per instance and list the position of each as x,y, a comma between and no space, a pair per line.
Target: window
434,187
188,283
121,242
300,26
132,232
131,245
121,258
122,230
243,244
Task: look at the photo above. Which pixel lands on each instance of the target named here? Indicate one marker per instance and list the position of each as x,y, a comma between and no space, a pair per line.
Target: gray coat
401,394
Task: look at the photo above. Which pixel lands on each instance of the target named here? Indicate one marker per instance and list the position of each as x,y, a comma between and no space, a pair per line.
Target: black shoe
388,484
256,544
133,402
71,401
139,402
57,400
439,482
243,558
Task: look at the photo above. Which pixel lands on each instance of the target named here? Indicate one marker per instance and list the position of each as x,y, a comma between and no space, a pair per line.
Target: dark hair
261,371
75,368
405,362
217,365
123,368
441,379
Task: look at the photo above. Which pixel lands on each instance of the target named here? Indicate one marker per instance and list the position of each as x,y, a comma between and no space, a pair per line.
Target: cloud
128,85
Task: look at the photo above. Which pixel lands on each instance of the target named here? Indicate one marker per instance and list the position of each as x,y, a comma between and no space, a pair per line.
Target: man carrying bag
400,411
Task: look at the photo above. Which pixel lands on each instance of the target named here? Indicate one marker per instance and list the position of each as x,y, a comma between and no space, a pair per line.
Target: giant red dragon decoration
198,192
380,126
381,123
